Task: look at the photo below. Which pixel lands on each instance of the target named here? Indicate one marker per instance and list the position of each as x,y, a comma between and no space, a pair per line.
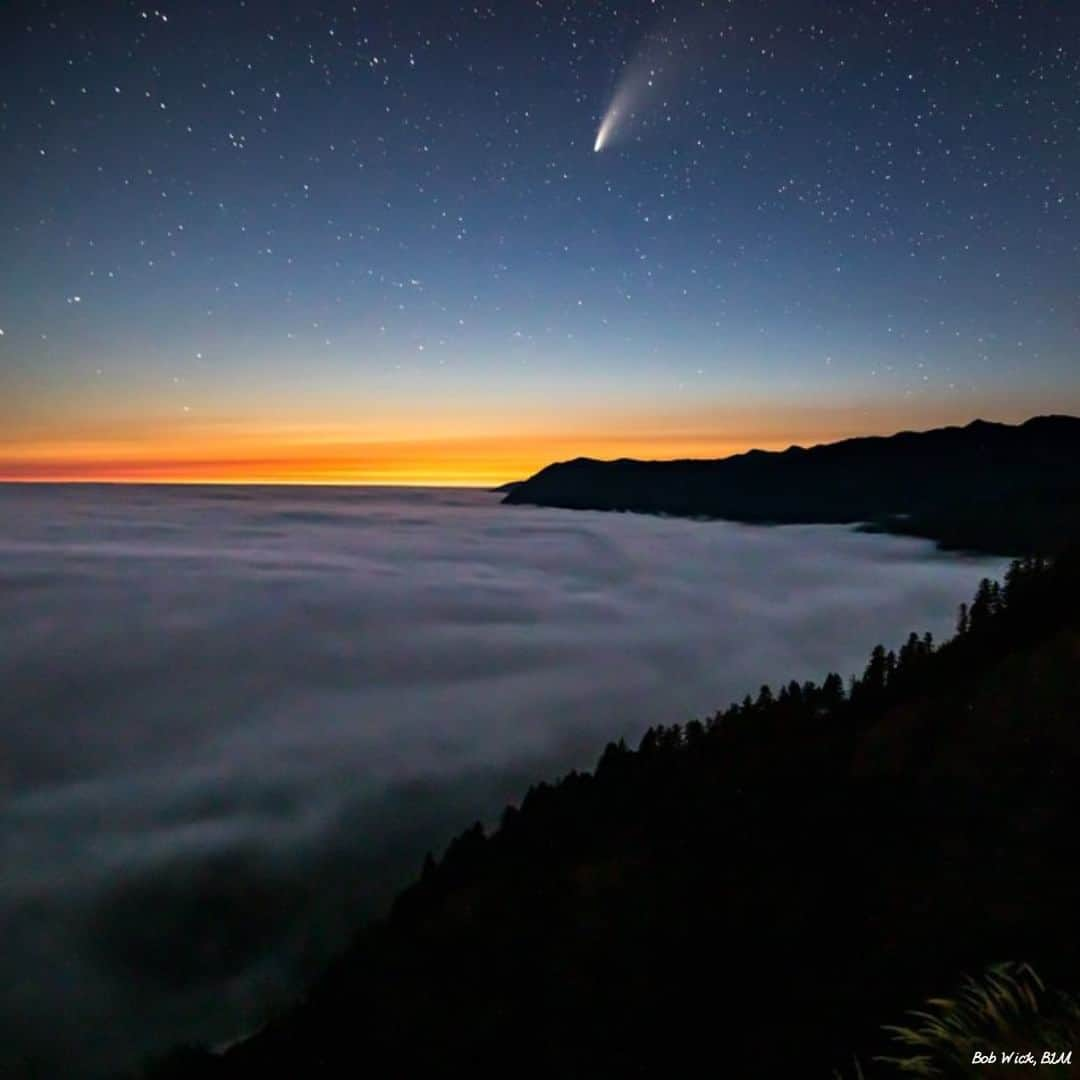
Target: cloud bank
234,719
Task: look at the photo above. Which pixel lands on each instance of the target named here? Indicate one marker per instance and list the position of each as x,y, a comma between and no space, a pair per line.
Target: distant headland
988,487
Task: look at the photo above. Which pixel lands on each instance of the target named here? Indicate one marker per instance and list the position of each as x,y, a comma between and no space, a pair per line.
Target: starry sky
376,243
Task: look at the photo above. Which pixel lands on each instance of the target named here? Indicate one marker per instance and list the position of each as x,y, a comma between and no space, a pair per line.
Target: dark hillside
761,890
988,487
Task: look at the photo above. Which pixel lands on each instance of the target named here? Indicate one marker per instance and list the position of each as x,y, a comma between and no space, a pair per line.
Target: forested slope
764,888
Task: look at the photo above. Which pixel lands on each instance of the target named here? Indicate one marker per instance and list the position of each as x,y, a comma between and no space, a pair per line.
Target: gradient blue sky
373,242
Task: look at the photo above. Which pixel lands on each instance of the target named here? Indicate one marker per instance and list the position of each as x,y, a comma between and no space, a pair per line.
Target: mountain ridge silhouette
990,487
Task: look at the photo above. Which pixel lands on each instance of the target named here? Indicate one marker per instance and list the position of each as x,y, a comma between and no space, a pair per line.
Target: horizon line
93,482
324,472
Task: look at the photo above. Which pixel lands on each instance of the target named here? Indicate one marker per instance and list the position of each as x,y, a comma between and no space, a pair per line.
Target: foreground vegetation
763,888
1007,1020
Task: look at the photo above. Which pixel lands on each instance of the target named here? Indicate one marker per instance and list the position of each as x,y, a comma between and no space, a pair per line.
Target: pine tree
832,691
982,606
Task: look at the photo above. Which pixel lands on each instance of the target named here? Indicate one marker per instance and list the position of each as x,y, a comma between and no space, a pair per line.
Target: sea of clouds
232,720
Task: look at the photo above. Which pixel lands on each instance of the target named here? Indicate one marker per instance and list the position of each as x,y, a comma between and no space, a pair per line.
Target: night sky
375,242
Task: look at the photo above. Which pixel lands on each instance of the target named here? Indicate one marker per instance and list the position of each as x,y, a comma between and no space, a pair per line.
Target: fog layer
232,720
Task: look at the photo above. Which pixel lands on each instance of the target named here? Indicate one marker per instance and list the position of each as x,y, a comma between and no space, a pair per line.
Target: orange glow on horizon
483,462
246,452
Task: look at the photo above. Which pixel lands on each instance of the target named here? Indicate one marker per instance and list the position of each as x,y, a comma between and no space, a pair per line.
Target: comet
650,76
607,125
631,91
